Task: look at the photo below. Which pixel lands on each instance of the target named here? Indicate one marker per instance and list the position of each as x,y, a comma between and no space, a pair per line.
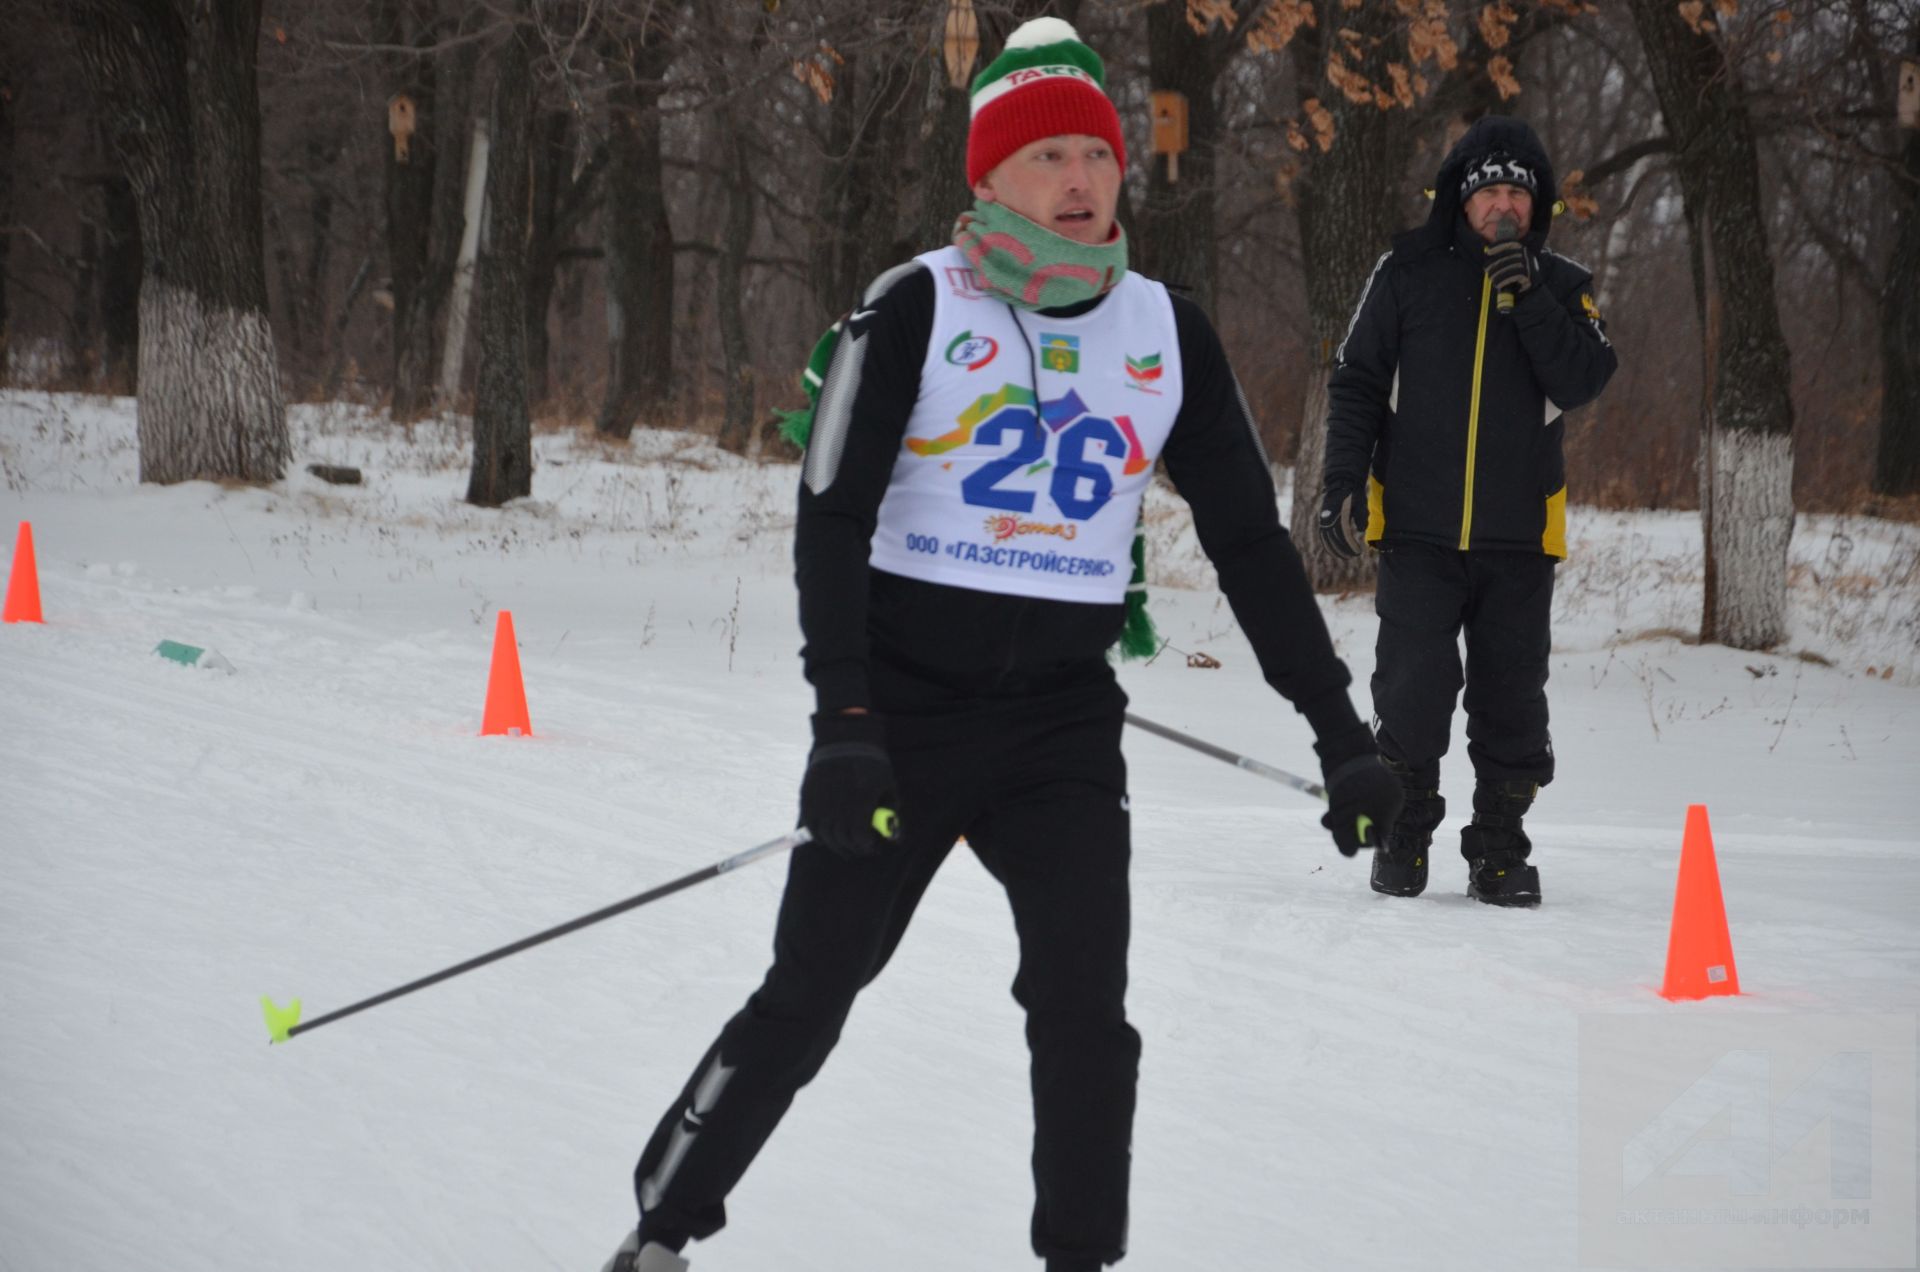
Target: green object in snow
192,656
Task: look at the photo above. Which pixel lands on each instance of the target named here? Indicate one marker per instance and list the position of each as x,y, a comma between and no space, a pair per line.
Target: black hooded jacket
1452,408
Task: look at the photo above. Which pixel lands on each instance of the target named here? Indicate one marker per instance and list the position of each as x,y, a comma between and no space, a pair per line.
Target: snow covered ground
1331,1079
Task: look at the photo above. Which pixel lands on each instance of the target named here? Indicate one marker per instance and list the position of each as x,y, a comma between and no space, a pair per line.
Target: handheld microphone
1505,230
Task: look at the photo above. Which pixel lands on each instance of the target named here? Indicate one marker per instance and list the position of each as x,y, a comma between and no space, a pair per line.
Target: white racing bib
1032,442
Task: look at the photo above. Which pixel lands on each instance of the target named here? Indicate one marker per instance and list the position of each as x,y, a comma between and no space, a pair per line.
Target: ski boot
1400,862
651,1257
1496,847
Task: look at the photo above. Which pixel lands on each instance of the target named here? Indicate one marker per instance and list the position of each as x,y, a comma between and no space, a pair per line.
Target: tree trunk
82,363
1896,468
1746,456
552,147
466,266
292,316
1349,202
7,92
425,194
941,158
736,429
121,265
314,294
1178,243
502,433
639,240
178,83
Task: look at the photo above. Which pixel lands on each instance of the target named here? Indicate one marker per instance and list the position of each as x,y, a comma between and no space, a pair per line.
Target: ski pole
284,1022
1231,757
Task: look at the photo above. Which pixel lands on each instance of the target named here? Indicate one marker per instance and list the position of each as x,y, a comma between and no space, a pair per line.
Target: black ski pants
1504,601
1037,785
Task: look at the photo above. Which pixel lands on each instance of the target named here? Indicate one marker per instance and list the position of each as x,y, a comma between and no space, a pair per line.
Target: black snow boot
1496,847
1400,862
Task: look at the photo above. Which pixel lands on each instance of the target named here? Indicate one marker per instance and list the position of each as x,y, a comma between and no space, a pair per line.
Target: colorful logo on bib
1060,353
1142,373
1004,528
1591,309
1060,439
971,351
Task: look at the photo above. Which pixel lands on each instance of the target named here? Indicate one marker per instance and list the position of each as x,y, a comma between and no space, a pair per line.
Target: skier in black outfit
988,422
1444,452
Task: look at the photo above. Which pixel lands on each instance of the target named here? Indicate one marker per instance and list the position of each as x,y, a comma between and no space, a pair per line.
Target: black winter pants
1504,600
1037,786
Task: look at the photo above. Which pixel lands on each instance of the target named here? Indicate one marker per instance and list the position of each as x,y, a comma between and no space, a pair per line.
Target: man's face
1069,184
1489,203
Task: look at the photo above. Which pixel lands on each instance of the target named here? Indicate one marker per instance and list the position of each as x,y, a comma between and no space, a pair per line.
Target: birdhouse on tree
962,43
1170,129
400,122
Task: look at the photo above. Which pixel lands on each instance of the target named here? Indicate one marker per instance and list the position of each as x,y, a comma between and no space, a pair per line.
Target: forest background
679,195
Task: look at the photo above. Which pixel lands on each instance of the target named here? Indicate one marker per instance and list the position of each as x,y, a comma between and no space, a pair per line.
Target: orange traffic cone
1699,949
23,585
506,697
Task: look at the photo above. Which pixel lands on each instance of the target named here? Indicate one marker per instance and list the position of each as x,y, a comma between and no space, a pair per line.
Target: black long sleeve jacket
1454,409
985,643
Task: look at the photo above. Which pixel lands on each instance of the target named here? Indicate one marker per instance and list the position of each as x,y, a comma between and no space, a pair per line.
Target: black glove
1511,266
1343,522
1364,798
848,777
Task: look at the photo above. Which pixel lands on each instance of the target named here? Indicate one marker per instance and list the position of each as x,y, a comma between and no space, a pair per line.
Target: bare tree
1746,457
178,84
410,158
502,429
864,208
736,426
562,198
8,89
1897,463
637,230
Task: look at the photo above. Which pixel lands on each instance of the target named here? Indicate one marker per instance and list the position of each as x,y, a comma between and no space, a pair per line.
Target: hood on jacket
1493,134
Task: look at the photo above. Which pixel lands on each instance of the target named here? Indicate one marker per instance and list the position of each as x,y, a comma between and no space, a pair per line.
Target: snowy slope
1331,1079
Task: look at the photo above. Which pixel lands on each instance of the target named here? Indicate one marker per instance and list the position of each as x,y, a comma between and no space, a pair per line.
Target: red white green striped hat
1046,83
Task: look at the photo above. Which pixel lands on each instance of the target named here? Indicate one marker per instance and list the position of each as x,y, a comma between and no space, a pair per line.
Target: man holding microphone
1444,455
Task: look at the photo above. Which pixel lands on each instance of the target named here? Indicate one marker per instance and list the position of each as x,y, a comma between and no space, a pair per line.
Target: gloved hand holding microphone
1509,264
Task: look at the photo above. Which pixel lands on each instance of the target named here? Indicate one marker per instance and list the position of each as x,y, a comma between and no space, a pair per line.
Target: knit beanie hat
1045,84
1498,168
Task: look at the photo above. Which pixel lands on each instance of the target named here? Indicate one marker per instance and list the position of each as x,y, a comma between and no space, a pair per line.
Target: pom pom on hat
1046,83
1039,31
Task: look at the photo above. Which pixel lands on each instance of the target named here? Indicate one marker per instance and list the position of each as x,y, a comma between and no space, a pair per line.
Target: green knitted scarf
1029,266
